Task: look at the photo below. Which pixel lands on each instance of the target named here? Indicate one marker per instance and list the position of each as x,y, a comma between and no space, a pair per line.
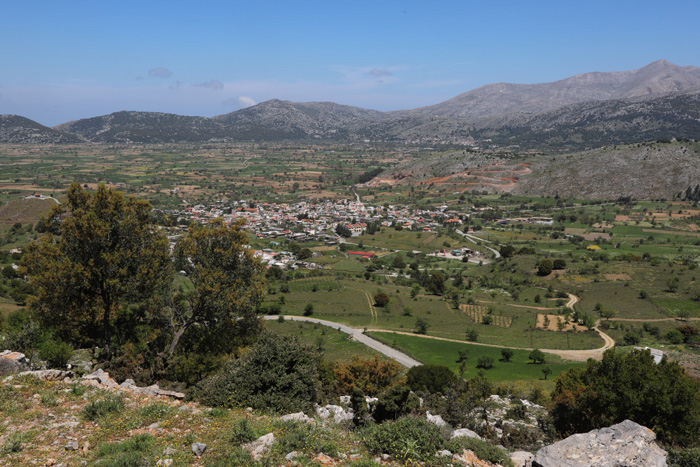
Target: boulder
624,444
198,449
521,458
260,446
464,433
435,419
12,362
296,417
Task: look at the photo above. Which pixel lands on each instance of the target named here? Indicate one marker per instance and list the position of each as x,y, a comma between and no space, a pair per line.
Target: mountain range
658,101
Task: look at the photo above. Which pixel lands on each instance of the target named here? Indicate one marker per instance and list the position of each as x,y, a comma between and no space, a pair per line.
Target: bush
277,374
243,433
55,352
130,453
408,439
482,449
371,376
395,402
559,264
485,362
381,299
304,437
545,267
683,457
430,378
101,408
537,356
631,387
308,309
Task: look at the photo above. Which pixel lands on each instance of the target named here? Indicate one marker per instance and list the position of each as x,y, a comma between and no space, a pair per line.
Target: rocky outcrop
626,444
12,362
260,446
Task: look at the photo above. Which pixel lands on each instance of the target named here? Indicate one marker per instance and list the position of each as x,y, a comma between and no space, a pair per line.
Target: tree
422,326
381,299
309,309
559,264
507,251
607,313
436,284
546,371
631,386
226,279
485,362
430,378
398,262
507,354
101,253
537,356
304,253
545,267
472,335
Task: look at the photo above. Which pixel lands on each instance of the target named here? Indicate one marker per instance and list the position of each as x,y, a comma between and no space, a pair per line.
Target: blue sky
65,60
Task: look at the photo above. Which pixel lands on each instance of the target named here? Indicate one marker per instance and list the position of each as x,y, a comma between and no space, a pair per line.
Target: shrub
537,356
395,402
430,378
304,437
559,264
545,268
243,433
482,449
308,309
485,362
133,452
407,439
631,387
277,374
155,412
507,354
381,299
371,376
101,408
683,457
55,352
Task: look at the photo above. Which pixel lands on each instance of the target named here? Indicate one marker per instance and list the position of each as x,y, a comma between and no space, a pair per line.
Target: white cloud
246,101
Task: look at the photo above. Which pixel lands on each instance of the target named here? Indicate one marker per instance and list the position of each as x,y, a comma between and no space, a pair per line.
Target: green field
445,353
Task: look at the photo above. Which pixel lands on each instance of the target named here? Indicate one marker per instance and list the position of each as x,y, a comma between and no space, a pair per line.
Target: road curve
357,335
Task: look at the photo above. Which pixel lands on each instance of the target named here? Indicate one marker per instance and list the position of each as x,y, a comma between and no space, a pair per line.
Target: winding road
356,334
405,360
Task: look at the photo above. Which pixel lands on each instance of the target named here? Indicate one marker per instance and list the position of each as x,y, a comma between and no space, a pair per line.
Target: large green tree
101,253
632,386
227,283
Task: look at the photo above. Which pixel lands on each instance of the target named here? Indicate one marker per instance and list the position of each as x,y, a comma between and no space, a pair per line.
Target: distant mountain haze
658,101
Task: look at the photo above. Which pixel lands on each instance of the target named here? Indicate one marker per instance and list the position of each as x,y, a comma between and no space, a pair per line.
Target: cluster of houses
307,221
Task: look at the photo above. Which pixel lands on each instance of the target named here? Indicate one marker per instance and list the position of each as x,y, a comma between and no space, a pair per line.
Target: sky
72,59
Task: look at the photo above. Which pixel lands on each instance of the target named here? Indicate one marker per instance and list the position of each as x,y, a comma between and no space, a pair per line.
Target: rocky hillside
276,119
145,127
642,171
655,79
19,130
53,418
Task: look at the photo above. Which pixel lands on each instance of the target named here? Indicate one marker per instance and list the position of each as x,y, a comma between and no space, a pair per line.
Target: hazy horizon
63,62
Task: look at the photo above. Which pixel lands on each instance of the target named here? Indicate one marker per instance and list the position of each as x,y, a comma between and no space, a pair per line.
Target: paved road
473,239
357,335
